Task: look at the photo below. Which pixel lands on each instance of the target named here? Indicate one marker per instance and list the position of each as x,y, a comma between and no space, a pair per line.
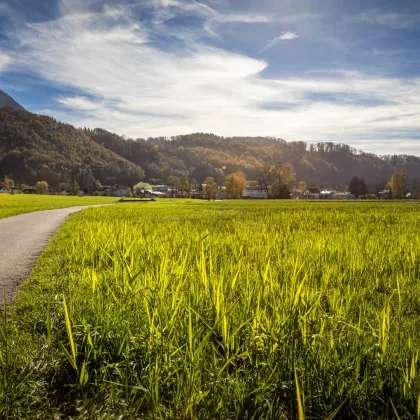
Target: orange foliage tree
235,184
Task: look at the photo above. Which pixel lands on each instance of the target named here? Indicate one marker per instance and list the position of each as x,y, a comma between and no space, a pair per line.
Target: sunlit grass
195,309
11,205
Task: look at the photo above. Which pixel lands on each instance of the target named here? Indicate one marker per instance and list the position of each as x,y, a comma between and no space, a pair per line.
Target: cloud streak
285,36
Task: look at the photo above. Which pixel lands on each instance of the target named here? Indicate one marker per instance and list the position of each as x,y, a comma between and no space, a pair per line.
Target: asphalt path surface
22,238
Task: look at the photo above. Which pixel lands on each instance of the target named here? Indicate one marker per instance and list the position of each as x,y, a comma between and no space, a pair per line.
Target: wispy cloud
5,61
285,36
121,79
299,18
391,19
79,103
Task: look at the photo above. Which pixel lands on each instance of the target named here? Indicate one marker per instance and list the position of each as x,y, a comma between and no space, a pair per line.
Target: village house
163,190
255,192
4,190
311,194
28,190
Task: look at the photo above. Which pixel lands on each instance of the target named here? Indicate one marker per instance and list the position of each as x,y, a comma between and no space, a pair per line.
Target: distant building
328,194
28,190
167,192
255,192
384,194
109,192
196,194
160,188
122,192
158,194
343,196
4,190
311,194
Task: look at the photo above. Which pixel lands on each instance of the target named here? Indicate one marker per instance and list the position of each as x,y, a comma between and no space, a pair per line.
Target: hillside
8,102
35,148
200,155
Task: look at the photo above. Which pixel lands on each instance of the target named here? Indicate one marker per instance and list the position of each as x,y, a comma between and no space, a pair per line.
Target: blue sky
325,70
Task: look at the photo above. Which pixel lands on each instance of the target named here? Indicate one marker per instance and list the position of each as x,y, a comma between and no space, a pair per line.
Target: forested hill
200,155
7,101
35,148
38,148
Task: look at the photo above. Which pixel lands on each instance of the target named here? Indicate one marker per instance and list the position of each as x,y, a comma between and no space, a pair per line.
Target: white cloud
79,103
285,36
125,83
5,61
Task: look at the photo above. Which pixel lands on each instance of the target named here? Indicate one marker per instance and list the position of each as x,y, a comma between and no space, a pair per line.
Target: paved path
22,238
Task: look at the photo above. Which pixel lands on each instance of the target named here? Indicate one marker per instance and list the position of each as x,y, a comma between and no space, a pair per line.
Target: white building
160,188
311,194
255,192
122,192
328,194
4,190
158,194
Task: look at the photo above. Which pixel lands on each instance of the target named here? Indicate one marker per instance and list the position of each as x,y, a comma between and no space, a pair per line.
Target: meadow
14,204
220,310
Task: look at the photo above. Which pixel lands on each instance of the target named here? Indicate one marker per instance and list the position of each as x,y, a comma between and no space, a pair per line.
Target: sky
302,70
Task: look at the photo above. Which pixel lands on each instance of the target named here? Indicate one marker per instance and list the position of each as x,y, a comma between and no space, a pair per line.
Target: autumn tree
41,187
398,183
210,188
7,183
302,187
235,184
357,186
283,180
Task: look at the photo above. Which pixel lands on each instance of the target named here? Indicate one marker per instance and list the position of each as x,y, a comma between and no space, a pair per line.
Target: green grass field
11,205
220,310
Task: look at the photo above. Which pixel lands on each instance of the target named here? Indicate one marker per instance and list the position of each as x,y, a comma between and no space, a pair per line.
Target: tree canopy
37,148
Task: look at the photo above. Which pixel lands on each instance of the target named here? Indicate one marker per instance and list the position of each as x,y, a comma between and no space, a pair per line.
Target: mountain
200,155
38,148
7,101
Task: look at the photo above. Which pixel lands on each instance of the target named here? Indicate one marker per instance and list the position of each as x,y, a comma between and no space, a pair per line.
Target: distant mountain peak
7,101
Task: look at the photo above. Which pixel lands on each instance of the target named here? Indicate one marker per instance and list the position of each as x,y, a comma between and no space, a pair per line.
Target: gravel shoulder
22,238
